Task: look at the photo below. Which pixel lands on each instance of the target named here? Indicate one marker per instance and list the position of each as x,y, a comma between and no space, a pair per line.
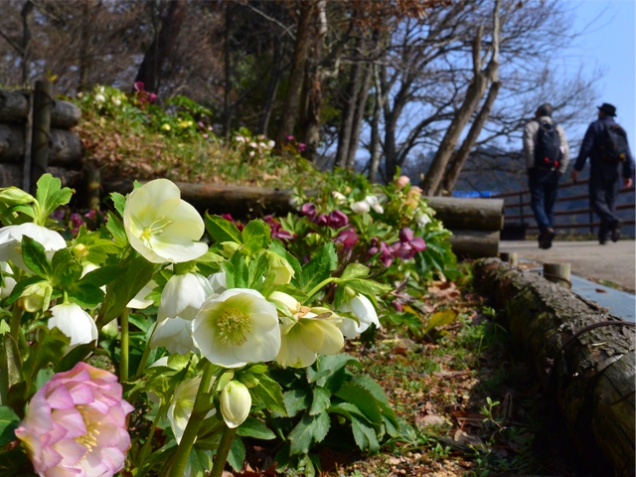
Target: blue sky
608,42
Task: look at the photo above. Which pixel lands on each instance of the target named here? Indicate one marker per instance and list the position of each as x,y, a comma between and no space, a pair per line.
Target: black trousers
604,182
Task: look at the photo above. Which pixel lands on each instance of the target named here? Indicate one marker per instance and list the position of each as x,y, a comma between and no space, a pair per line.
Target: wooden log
64,147
468,214
11,142
558,273
475,243
14,106
583,356
65,115
12,174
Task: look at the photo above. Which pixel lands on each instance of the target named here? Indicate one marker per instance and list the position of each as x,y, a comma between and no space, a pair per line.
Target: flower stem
123,361
317,288
146,448
223,451
15,322
194,423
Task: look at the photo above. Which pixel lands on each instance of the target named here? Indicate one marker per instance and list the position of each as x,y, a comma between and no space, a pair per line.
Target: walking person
547,154
605,143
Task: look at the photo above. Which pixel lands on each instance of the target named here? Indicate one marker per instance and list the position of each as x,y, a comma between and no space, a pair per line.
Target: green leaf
200,461
355,270
319,267
119,201
363,399
364,434
296,400
237,272
9,422
321,401
310,429
254,428
85,294
19,288
365,287
236,457
256,270
336,364
270,394
48,348
222,230
50,195
116,228
381,399
255,236
278,248
66,270
440,318
137,273
103,275
34,257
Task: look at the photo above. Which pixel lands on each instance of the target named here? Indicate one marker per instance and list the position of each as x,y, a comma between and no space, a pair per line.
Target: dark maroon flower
301,148
385,255
228,217
406,235
398,306
152,97
337,219
418,244
347,237
58,214
321,219
276,229
309,209
139,86
77,220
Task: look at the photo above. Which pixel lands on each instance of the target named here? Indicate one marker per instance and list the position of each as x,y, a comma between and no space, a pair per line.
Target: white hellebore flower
237,327
218,281
340,198
364,310
174,334
306,336
11,242
182,405
161,226
183,295
235,403
374,203
422,219
99,98
360,207
74,322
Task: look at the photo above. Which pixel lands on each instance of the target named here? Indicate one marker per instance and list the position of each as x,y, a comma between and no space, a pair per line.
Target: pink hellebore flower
309,209
301,147
321,220
402,181
277,230
347,237
75,425
337,219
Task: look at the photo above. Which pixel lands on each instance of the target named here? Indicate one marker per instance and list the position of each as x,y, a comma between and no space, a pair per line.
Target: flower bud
236,403
80,251
36,297
229,248
350,292
288,300
282,269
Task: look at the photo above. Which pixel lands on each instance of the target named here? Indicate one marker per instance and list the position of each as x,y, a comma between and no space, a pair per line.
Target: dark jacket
590,148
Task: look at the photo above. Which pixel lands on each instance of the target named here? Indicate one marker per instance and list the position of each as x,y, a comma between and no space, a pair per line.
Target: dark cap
608,109
545,110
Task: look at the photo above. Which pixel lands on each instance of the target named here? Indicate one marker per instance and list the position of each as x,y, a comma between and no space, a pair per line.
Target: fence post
42,104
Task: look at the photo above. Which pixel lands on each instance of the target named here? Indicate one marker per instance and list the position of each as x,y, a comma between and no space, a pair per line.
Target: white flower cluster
253,147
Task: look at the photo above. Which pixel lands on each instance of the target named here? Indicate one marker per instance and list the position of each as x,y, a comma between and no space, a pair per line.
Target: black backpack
547,147
613,143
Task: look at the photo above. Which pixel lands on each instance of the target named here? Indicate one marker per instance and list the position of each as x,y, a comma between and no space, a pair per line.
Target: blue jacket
590,149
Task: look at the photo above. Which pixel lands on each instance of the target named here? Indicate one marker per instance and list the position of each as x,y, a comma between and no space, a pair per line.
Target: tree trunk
363,93
85,40
272,89
375,131
27,13
289,113
584,359
227,106
459,159
348,112
390,146
150,70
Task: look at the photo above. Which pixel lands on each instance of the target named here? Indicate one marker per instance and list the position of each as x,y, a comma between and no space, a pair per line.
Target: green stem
317,288
123,361
15,322
223,451
144,357
194,423
146,447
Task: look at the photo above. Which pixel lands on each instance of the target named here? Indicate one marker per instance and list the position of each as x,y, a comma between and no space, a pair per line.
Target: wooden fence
517,208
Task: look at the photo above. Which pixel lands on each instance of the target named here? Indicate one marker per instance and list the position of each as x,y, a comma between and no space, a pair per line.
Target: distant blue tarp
473,194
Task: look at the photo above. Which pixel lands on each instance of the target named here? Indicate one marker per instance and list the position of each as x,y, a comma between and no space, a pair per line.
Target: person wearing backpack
605,143
547,154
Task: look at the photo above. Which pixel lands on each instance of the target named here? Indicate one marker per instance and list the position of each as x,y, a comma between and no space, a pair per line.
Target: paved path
614,262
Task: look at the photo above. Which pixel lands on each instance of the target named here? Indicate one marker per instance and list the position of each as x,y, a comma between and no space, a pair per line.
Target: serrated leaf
321,400
119,201
222,230
252,427
319,267
364,434
236,457
116,228
236,272
301,436
297,400
365,287
363,399
85,294
9,422
255,236
270,394
103,275
336,364
34,257
355,270
50,195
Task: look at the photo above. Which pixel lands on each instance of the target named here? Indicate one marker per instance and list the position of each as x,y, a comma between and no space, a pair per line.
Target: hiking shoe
617,225
549,235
